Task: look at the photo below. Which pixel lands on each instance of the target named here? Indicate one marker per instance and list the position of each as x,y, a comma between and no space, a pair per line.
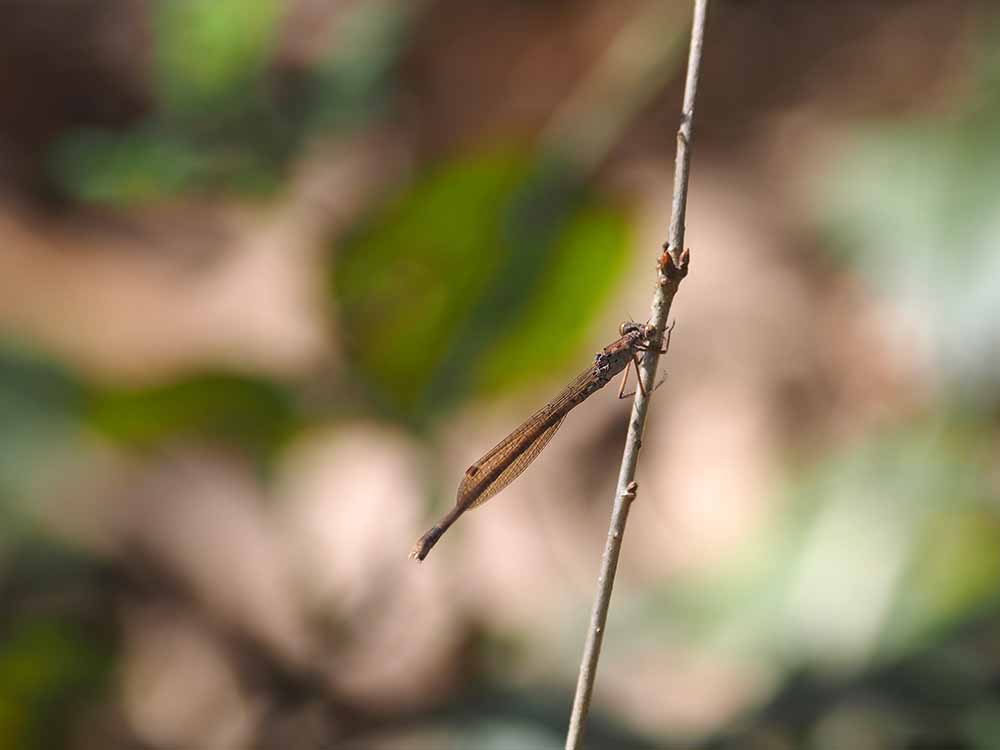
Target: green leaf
956,570
124,169
495,262
587,260
221,122
210,54
48,670
254,414
148,164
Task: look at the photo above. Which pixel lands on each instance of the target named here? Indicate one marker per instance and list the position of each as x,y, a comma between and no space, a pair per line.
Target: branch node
670,270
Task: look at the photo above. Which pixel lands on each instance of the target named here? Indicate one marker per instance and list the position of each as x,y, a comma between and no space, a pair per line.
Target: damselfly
504,463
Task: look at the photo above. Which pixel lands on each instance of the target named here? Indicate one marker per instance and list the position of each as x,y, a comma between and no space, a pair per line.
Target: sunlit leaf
209,53
492,260
587,261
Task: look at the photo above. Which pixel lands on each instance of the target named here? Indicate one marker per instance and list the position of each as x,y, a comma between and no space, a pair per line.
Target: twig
643,55
672,267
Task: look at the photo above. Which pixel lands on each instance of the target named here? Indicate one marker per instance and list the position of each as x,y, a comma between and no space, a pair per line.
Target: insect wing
512,472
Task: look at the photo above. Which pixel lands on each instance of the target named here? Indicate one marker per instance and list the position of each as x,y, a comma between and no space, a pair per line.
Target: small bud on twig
668,270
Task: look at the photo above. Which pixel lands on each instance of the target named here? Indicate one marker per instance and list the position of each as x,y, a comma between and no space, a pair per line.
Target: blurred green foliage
487,272
54,664
51,667
40,408
915,205
49,671
872,515
250,414
224,118
211,57
915,208
102,167
353,81
480,276
44,407
880,551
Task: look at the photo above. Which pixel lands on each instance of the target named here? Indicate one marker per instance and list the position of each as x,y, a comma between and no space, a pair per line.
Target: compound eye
627,327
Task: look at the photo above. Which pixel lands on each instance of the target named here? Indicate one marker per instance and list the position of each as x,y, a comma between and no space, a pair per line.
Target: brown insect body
512,455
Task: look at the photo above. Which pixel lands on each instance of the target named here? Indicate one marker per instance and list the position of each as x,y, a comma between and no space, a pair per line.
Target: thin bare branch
672,267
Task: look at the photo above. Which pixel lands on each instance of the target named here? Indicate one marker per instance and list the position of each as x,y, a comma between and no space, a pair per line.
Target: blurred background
273,273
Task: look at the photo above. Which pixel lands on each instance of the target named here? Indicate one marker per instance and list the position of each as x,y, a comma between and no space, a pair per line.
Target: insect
512,455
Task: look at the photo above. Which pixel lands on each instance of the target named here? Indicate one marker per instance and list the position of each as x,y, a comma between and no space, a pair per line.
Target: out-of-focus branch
671,269
642,57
